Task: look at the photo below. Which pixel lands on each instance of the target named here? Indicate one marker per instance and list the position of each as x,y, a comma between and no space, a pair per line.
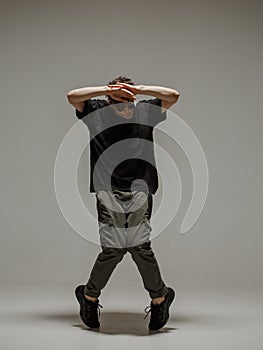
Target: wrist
140,89
106,89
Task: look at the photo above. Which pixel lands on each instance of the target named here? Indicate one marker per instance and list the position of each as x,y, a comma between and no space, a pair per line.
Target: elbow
176,96
70,96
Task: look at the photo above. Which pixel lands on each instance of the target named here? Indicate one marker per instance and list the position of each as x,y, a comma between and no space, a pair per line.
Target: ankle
90,298
158,300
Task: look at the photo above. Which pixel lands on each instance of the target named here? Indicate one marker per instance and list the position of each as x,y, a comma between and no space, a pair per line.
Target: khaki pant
124,225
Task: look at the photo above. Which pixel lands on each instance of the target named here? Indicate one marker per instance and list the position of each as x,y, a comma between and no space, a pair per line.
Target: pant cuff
162,293
90,293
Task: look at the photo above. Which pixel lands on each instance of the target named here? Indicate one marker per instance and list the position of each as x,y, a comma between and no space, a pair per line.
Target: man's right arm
77,97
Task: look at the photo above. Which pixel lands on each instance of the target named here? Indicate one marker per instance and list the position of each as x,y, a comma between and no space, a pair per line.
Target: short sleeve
155,114
90,106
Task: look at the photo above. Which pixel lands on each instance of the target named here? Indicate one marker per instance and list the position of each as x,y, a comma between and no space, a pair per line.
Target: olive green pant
124,226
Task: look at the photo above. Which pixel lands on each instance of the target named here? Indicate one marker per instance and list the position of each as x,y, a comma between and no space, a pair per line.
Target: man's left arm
168,96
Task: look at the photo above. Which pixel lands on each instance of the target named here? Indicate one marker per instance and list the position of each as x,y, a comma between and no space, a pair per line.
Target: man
124,178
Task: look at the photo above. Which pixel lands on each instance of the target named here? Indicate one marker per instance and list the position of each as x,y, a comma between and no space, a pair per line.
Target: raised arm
77,97
167,95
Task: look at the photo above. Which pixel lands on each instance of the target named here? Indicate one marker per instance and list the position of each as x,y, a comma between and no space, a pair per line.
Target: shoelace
157,311
99,308
147,312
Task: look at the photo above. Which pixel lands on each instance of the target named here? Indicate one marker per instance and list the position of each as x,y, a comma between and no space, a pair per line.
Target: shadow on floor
111,323
132,323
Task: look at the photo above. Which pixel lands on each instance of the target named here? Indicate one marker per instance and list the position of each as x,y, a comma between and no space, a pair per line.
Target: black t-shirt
122,150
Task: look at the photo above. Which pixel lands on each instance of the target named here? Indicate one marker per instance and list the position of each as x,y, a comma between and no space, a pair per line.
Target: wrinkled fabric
124,217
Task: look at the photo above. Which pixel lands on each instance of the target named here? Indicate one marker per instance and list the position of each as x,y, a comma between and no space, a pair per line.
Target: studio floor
35,316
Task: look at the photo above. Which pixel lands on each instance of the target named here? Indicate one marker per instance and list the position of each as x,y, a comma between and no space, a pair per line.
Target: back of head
121,79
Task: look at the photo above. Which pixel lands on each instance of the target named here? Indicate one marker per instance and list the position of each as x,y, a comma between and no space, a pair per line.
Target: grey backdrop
211,52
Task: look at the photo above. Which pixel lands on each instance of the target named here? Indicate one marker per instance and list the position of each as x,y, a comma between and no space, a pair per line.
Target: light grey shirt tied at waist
124,217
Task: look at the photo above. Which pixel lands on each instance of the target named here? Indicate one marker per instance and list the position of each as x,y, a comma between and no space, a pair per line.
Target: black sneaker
88,309
160,313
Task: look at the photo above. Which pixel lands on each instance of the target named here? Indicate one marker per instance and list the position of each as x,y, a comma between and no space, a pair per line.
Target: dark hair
120,79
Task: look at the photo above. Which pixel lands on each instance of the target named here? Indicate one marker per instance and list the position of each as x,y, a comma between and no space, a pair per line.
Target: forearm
82,94
161,92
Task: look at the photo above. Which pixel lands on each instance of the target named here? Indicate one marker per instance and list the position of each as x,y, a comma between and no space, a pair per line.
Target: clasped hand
123,92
